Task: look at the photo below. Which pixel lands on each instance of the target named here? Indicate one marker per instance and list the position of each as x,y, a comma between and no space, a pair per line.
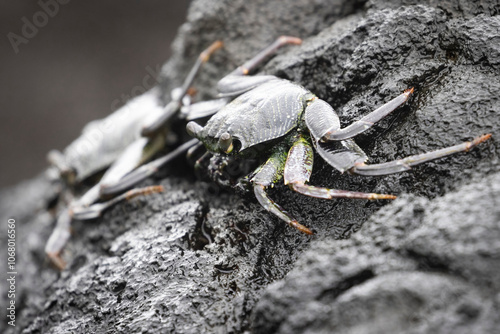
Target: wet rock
417,266
198,259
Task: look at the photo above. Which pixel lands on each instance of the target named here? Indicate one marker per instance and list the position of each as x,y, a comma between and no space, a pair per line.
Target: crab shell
271,111
266,112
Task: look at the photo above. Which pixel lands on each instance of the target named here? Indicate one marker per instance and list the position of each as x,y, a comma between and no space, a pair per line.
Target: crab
130,142
282,117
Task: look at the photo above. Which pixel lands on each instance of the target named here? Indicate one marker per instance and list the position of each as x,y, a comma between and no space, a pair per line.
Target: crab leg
143,172
237,83
62,231
298,169
267,175
134,155
152,125
194,149
251,64
57,159
59,238
404,164
204,108
95,210
142,149
335,133
198,164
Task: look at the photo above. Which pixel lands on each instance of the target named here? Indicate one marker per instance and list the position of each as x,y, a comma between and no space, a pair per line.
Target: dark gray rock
417,266
197,259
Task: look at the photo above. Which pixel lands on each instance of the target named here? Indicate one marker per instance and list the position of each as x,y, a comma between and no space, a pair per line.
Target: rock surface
199,260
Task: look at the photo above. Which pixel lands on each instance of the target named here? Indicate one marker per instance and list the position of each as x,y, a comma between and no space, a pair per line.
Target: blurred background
68,71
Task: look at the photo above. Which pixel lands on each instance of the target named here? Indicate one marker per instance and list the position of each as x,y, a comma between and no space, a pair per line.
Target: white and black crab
291,122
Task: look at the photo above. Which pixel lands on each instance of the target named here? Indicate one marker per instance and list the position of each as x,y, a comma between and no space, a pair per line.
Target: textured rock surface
417,266
195,259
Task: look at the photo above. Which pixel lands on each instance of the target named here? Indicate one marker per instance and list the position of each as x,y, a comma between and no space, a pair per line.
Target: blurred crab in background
124,140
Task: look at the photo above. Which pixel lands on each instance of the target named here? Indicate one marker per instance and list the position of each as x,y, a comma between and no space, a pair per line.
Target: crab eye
193,128
226,142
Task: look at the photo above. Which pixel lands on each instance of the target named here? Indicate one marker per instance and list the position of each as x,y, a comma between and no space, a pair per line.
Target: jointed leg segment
62,233
237,82
271,206
325,193
404,164
298,169
296,165
154,124
267,175
368,121
144,171
251,64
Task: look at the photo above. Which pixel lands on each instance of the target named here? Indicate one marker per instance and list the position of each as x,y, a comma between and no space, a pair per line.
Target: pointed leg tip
484,138
290,40
382,196
191,91
157,189
56,260
143,191
301,227
217,44
476,141
408,92
205,55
